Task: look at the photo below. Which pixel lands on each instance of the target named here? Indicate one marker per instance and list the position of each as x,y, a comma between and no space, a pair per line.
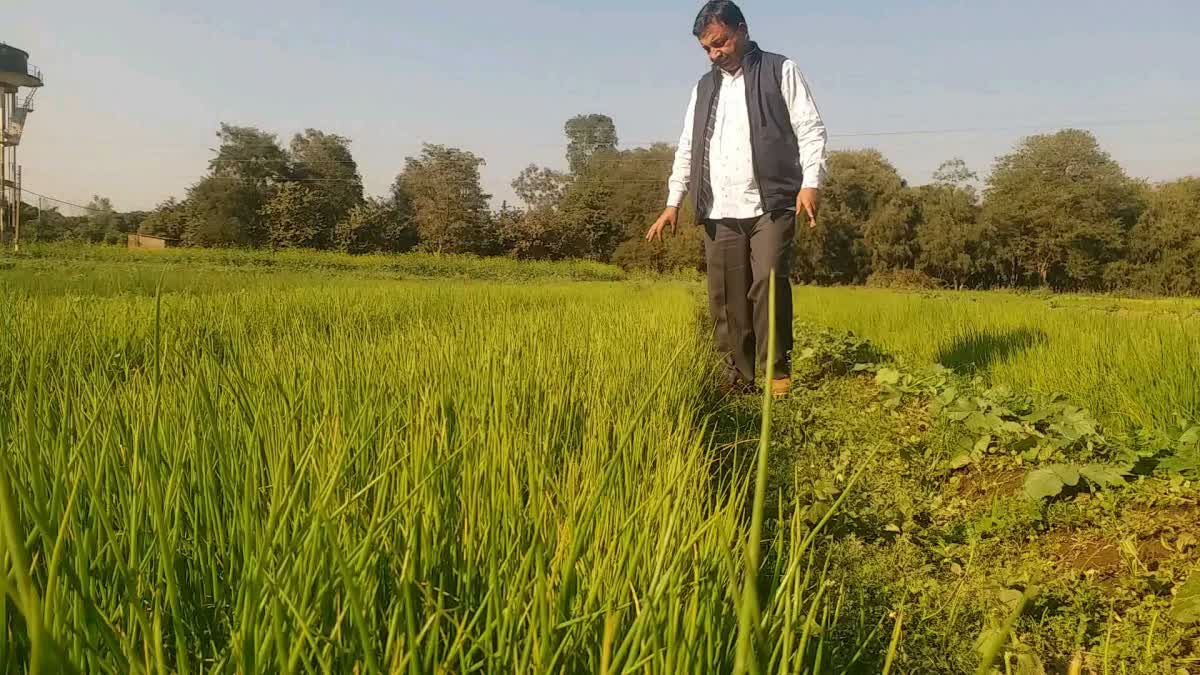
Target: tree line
1056,212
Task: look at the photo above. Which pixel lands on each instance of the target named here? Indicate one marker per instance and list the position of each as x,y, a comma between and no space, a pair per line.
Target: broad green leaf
1038,414
1012,428
1023,445
1103,475
1042,484
887,376
1068,474
1190,436
982,445
979,422
1183,464
999,392
961,460
1186,608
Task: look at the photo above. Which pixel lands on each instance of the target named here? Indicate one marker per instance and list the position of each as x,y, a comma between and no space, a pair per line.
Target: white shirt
731,167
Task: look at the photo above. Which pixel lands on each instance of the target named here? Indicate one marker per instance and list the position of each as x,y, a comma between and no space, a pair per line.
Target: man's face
725,45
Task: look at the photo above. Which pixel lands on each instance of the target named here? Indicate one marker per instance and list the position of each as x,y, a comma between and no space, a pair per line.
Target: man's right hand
670,216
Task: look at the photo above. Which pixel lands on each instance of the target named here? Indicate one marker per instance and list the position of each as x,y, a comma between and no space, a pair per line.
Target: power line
62,201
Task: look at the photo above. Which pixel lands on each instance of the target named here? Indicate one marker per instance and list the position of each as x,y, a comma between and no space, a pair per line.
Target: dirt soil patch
987,484
1153,536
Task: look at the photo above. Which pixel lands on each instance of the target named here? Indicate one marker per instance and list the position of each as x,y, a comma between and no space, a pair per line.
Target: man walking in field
752,156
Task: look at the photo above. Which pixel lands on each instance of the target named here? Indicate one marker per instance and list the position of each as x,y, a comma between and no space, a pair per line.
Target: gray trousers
740,255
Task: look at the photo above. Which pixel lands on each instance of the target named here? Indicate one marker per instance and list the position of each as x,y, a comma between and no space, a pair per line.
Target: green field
1132,362
254,462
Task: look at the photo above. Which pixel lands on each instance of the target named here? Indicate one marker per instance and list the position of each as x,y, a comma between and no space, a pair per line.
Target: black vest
775,152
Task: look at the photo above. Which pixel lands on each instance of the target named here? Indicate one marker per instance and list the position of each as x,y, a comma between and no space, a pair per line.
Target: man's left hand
809,201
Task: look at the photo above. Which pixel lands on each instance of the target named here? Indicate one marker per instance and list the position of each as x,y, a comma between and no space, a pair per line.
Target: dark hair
718,11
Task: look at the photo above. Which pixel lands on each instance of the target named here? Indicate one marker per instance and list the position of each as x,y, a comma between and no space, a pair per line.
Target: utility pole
20,200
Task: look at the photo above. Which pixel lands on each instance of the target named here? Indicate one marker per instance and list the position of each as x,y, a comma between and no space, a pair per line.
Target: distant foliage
1056,213
903,279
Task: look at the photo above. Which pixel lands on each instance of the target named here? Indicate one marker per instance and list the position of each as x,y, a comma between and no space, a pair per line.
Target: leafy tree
539,234
1164,249
166,220
375,226
890,232
587,137
955,173
541,188
223,210
101,221
250,154
449,207
325,164
224,207
949,236
299,216
1059,209
586,216
611,203
860,184
48,224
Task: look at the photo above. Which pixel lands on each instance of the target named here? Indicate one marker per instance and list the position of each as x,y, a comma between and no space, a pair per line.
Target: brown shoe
781,386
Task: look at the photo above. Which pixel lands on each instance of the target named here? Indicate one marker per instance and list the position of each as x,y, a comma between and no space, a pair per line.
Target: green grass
1132,362
48,269
317,463
402,476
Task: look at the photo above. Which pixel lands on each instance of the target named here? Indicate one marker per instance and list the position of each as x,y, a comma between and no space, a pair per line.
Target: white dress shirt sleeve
681,170
806,122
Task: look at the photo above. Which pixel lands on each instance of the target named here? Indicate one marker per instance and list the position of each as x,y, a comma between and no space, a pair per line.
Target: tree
1058,209
449,207
890,233
325,164
375,226
949,235
166,220
101,221
48,224
539,234
541,188
299,216
614,201
1164,247
222,210
860,184
250,154
955,173
224,207
587,137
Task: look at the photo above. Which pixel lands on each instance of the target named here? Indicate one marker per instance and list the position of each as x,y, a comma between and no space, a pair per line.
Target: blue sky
136,88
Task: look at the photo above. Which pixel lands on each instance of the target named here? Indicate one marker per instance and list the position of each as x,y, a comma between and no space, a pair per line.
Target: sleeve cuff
675,198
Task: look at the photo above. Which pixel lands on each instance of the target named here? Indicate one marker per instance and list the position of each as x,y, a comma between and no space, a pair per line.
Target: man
752,155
